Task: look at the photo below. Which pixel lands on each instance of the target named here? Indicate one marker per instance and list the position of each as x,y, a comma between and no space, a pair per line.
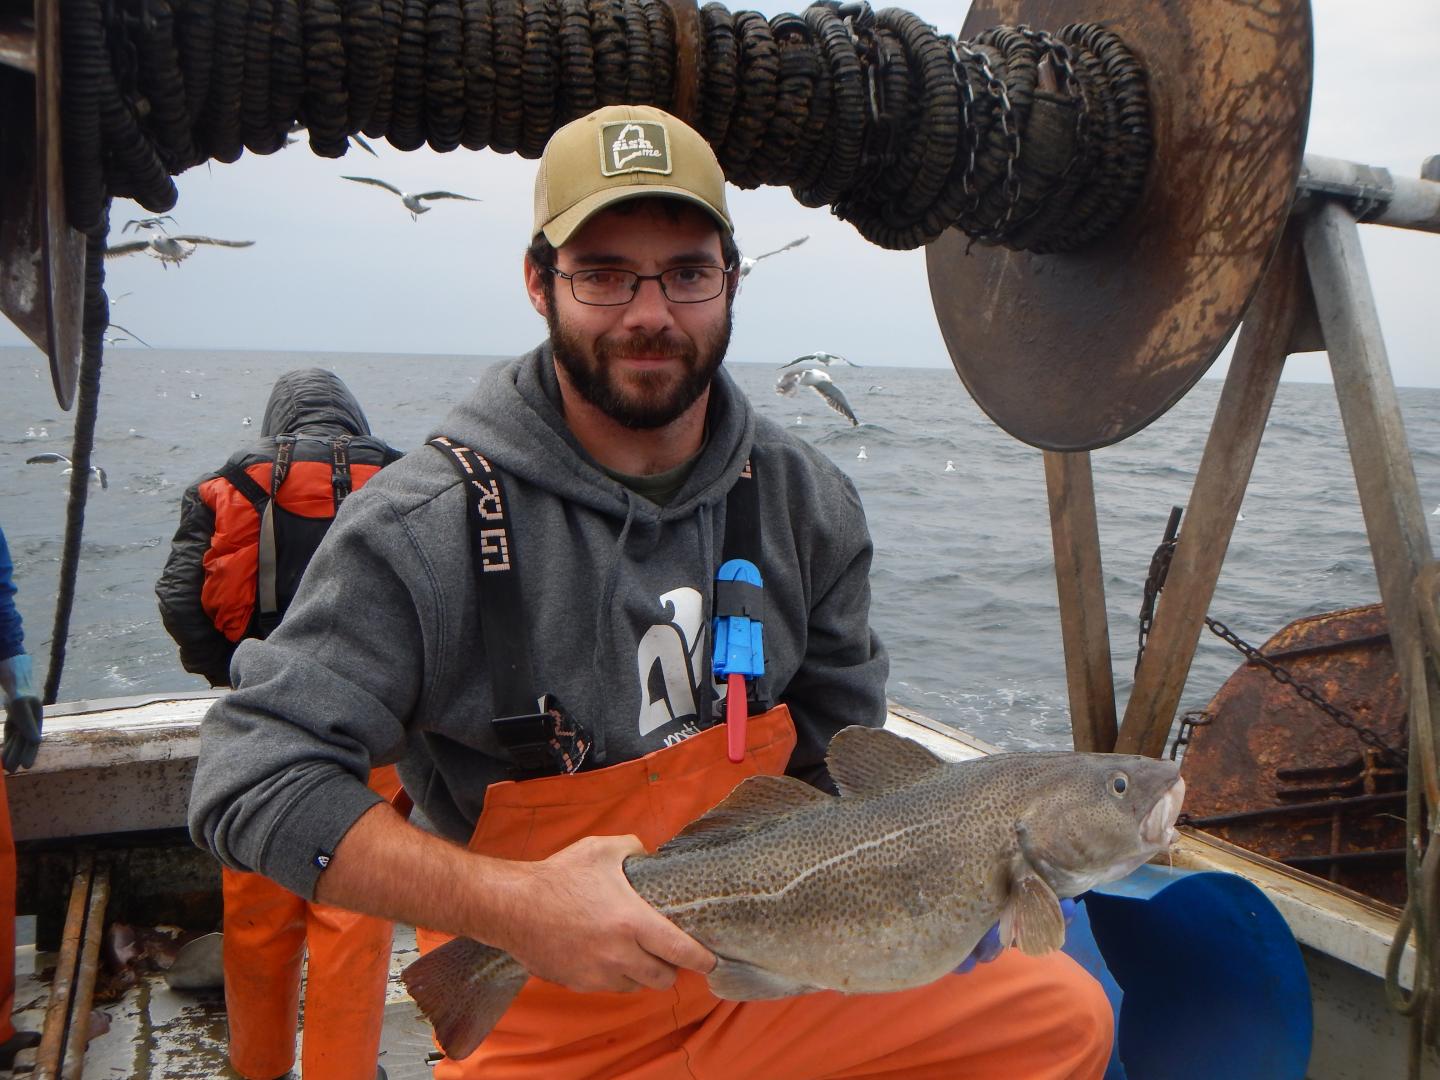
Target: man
247,532
23,720
622,450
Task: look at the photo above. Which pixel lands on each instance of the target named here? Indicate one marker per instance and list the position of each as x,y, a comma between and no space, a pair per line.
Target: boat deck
163,1034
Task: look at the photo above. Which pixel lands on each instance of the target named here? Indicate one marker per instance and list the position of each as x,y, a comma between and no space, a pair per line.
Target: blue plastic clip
739,644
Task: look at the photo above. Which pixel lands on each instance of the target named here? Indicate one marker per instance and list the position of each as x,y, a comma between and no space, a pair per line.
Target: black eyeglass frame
640,279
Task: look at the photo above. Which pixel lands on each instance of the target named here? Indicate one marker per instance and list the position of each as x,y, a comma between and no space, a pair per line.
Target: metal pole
1374,195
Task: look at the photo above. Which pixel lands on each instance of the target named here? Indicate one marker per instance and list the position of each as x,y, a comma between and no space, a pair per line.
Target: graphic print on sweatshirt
672,663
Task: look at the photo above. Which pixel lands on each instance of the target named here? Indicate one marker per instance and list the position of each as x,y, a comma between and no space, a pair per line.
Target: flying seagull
747,263
50,458
411,200
147,223
290,139
131,333
820,357
825,386
170,249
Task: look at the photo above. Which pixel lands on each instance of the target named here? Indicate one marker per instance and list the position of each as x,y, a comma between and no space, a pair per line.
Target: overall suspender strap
742,517
742,541
533,727
492,551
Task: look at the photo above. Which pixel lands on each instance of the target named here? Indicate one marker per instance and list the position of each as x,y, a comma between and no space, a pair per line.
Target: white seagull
410,199
171,249
747,263
109,340
290,139
819,357
146,224
823,385
51,458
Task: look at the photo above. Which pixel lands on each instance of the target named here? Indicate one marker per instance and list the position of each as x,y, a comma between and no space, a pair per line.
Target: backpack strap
260,499
266,596
340,480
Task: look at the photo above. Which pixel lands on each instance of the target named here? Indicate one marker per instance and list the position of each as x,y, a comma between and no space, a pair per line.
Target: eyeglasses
680,284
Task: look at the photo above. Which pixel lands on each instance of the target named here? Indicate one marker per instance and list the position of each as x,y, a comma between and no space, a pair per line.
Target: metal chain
1155,581
1064,59
1009,131
967,113
1308,693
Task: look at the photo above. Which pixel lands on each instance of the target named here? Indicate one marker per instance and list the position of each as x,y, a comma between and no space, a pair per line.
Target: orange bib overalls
7,917
268,930
1017,1018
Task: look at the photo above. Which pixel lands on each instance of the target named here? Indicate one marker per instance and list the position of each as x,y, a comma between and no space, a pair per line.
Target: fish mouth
1158,828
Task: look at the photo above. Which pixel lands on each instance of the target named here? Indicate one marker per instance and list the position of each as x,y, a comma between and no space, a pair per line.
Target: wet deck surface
161,1034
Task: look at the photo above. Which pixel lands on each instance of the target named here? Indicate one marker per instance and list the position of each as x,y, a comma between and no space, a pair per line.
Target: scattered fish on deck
887,887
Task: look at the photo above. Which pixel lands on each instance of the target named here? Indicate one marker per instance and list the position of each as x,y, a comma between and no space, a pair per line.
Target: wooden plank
1380,454
1214,503
1080,585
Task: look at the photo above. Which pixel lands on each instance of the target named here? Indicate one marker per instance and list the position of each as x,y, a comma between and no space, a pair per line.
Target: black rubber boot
21,1040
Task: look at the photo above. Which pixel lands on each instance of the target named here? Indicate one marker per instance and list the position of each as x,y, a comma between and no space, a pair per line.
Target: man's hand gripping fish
887,887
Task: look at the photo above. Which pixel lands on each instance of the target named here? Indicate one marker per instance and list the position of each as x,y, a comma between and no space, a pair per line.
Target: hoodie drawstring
598,666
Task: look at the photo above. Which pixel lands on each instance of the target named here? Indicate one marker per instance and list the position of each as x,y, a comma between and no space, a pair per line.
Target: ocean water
963,580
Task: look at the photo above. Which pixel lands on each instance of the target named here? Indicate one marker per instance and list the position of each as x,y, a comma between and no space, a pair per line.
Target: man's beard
641,400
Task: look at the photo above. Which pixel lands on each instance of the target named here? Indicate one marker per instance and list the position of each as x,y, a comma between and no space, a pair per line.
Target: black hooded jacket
208,587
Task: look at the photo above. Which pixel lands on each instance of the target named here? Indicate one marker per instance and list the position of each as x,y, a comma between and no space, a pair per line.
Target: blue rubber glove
23,714
989,947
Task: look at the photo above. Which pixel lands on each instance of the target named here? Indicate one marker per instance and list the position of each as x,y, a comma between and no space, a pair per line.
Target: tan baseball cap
623,152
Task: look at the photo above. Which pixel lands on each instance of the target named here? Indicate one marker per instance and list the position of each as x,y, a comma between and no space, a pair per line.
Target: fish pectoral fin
735,980
865,760
463,988
1032,918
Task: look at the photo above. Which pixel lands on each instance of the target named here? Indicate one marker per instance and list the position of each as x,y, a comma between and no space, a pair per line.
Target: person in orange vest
23,720
519,614
247,533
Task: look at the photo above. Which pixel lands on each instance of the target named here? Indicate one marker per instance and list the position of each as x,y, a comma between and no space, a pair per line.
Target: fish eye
1118,784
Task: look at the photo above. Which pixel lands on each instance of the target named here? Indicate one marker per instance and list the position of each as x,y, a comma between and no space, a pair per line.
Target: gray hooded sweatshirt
380,658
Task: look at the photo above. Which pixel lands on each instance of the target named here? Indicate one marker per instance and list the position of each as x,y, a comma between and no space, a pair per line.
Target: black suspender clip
543,743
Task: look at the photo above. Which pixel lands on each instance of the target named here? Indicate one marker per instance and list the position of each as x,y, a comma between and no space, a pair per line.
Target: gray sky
341,267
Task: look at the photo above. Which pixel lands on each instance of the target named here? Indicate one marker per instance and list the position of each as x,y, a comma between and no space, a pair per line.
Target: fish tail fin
463,988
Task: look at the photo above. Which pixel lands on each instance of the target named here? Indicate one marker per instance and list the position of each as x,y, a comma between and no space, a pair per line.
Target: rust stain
1083,349
1265,749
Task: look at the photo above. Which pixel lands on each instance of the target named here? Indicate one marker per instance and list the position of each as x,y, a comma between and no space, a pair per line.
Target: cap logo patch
628,146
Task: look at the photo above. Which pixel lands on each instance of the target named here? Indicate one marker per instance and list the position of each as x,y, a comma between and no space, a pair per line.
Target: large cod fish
887,887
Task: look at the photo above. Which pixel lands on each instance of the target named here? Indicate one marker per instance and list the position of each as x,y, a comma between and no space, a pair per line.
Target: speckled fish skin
886,887
892,884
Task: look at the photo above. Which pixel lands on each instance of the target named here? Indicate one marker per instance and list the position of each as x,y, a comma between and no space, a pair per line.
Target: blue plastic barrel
1211,980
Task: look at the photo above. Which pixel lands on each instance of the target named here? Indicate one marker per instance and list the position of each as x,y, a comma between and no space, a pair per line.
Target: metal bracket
1366,194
